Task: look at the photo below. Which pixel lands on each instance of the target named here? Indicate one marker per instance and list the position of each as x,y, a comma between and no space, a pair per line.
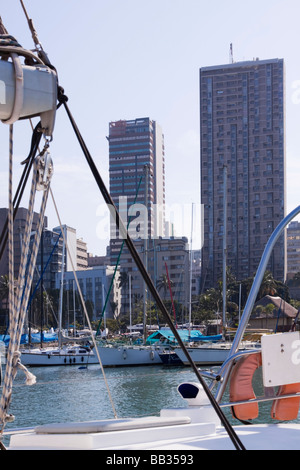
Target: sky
127,59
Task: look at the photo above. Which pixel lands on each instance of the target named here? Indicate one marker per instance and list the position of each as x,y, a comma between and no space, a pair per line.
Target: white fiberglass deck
177,429
191,437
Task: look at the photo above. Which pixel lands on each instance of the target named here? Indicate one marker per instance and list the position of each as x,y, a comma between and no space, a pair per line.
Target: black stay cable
107,198
62,99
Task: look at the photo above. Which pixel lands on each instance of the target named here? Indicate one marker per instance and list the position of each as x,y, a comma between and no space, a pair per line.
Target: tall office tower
137,176
293,249
19,231
242,134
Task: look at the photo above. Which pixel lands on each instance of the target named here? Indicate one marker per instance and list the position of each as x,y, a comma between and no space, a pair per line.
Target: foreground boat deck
255,437
157,435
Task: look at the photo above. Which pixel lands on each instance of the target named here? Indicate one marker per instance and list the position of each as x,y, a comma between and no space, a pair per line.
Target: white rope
11,225
84,308
18,307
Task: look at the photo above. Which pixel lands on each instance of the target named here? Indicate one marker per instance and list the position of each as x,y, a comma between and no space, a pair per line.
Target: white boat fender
152,355
124,354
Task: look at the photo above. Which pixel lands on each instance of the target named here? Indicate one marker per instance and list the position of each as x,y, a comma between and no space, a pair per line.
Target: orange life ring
286,409
241,387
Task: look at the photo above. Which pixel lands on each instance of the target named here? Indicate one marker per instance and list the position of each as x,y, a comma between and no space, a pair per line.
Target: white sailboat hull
110,356
128,356
211,354
55,357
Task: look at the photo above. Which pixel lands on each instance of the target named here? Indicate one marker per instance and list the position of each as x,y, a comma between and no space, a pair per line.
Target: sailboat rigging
68,352
47,121
200,425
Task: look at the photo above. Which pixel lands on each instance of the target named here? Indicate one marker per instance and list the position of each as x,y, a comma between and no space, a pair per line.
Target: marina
79,395
202,424
193,389
75,394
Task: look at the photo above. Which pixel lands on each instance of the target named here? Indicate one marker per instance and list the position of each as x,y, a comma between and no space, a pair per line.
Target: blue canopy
185,335
35,338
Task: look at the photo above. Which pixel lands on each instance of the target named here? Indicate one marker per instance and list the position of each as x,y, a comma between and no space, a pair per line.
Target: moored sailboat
201,425
68,351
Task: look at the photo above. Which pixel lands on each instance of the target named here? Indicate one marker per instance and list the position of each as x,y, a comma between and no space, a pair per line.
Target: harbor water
74,394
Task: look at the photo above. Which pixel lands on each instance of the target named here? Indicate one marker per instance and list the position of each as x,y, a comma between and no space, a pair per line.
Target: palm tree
4,286
163,284
268,285
124,280
215,296
4,293
295,281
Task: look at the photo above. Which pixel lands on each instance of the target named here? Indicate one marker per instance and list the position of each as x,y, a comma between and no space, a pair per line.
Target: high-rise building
19,230
94,284
293,249
242,126
137,178
50,255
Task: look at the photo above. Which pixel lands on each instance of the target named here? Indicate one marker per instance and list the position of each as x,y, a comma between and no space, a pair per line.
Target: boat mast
42,284
130,312
146,234
104,315
224,246
74,310
61,292
191,271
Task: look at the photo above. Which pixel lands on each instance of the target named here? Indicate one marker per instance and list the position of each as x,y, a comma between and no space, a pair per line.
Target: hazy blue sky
124,59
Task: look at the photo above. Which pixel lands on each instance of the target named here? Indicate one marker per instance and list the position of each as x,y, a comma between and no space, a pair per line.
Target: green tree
268,285
4,287
124,281
4,291
163,284
295,281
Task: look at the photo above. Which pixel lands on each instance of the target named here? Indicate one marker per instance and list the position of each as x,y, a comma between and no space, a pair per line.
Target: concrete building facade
242,127
293,249
94,285
137,178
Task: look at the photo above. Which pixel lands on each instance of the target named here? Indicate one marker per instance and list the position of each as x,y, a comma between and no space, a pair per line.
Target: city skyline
139,73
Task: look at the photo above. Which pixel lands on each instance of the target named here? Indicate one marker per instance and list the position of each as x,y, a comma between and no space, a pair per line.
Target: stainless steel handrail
226,367
260,399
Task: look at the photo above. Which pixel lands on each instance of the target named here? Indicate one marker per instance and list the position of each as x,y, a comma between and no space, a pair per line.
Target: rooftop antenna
231,54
